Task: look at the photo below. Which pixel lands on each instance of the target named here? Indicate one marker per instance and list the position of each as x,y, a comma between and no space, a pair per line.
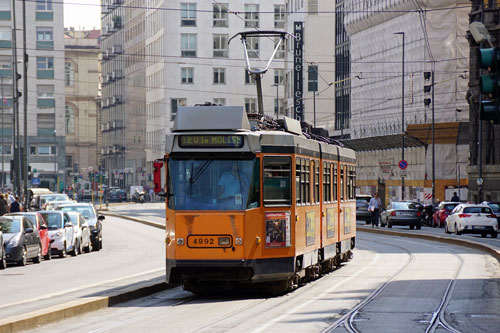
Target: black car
362,212
3,258
401,213
495,207
116,194
21,240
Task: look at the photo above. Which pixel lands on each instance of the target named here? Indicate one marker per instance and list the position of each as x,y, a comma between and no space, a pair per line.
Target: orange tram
254,201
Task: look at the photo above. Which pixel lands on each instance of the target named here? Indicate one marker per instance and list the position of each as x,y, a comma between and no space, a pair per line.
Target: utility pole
25,101
402,112
3,129
16,143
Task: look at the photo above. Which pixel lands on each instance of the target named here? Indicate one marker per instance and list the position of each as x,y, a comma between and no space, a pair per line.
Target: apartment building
45,93
81,81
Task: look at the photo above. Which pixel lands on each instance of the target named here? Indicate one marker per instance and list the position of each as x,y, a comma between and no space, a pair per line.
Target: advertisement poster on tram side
330,222
278,229
310,228
347,220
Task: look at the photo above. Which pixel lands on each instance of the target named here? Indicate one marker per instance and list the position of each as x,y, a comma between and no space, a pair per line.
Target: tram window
277,176
342,183
316,181
354,183
254,194
297,180
335,187
327,194
307,178
302,181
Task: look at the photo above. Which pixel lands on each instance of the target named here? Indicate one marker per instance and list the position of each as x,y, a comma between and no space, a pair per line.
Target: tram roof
207,118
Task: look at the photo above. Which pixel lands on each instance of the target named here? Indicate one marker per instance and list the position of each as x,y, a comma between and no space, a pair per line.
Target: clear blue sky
82,14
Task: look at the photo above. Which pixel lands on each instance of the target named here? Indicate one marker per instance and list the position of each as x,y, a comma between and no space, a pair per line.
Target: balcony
5,44
5,15
6,73
45,103
44,45
45,74
44,16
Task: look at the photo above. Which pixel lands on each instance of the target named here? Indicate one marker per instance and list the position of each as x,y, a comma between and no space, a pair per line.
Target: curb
67,310
442,239
150,223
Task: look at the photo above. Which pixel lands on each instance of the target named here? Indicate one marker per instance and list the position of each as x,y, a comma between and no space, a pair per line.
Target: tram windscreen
212,184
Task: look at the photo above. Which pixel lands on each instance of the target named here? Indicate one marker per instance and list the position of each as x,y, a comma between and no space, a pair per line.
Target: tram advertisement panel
347,220
278,229
310,228
330,222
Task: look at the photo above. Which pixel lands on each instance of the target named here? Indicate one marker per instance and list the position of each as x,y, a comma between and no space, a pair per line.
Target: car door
29,237
69,232
85,231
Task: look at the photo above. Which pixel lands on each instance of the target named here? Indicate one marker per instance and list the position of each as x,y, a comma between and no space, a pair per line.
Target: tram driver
232,184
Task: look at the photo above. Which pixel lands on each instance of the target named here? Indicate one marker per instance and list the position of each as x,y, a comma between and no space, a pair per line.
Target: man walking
374,207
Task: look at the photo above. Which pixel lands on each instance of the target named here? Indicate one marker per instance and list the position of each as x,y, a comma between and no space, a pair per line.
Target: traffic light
489,84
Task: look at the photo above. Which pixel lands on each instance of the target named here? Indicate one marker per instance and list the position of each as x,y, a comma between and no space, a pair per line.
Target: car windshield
55,197
212,184
477,210
450,207
403,205
87,212
54,220
10,226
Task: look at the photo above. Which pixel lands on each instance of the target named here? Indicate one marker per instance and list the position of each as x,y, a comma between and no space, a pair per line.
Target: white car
82,232
51,201
61,232
472,219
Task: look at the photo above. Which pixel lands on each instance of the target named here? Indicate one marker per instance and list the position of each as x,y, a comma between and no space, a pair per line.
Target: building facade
81,80
45,94
435,57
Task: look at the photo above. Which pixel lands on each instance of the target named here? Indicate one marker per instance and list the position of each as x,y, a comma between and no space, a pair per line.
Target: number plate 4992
209,241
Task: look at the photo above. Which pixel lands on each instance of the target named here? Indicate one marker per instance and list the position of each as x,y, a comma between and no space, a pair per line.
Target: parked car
89,213
401,213
39,224
21,240
495,207
362,212
82,232
51,201
61,232
116,194
3,257
441,213
472,219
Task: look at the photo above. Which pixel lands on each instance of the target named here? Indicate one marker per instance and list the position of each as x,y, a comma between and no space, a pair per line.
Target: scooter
139,197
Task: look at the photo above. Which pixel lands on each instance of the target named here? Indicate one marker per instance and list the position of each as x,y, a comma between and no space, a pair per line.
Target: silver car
82,232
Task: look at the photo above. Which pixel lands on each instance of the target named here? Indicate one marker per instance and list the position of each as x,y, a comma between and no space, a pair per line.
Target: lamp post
402,111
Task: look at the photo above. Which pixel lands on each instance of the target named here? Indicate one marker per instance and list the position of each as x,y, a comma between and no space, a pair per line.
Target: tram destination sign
211,141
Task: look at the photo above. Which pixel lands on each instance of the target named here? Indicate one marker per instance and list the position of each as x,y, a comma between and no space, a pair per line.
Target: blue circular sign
403,164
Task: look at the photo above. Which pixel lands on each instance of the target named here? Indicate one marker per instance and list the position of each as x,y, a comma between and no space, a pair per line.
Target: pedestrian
455,197
15,206
374,207
4,206
151,192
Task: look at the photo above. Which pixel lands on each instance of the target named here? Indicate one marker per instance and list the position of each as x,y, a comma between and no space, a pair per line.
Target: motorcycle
139,197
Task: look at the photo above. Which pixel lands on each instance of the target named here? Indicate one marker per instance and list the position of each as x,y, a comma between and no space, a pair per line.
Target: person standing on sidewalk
374,207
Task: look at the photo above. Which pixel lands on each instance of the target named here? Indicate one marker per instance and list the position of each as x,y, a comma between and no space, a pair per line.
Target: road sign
403,164
403,173
35,181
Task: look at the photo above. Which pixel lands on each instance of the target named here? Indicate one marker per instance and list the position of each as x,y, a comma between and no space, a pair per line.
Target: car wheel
38,258
100,244
89,248
389,224
494,234
446,231
483,235
22,262
419,226
3,261
63,251
367,222
412,227
456,230
48,256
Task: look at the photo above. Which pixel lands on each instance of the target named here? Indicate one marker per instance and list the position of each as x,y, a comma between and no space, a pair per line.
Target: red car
41,225
441,213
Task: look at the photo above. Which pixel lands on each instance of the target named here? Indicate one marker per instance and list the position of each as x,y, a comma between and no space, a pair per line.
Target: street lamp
402,111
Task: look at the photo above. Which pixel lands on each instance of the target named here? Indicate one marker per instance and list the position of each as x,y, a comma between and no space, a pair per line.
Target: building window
188,45
220,46
188,14
279,16
44,62
312,8
249,79
279,106
69,74
5,37
43,150
251,105
220,15
251,16
6,149
280,52
219,76
45,124
44,38
45,96
279,76
253,47
70,120
187,75
312,80
43,5
220,101
174,105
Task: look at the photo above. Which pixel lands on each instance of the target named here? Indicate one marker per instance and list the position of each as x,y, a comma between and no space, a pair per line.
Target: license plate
478,227
209,241
406,214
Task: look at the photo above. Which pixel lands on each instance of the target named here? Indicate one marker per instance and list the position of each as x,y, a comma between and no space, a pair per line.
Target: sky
82,14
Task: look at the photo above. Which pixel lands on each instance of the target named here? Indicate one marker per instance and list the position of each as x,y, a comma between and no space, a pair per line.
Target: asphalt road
398,285
131,253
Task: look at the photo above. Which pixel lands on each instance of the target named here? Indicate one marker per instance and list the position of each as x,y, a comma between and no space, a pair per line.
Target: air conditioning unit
111,101
117,49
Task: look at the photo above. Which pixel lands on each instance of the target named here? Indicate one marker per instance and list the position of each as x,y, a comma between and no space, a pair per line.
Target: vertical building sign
298,110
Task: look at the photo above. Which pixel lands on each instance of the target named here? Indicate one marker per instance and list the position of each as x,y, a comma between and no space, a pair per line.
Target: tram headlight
180,241
238,241
224,241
